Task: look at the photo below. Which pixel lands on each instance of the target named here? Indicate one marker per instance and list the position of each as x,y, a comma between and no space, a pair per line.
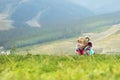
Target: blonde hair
82,40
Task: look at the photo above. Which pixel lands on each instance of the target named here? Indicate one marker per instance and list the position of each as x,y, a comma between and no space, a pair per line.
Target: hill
27,36
106,41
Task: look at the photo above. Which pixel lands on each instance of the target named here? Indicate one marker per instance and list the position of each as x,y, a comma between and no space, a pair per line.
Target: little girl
81,44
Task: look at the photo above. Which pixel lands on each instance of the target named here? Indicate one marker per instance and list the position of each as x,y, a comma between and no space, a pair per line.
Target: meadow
60,67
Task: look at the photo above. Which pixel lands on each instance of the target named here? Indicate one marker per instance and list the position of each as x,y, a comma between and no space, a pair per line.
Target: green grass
51,67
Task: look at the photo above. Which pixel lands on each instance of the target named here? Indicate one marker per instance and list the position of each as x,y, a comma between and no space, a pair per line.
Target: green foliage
51,67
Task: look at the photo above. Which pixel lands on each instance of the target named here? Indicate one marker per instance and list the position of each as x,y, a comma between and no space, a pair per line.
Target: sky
99,6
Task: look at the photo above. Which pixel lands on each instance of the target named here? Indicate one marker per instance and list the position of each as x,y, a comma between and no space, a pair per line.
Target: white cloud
4,23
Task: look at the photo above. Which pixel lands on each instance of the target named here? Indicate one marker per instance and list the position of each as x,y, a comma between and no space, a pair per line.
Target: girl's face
79,45
82,42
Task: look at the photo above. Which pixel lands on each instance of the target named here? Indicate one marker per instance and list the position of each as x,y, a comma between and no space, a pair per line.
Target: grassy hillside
103,42
49,67
65,46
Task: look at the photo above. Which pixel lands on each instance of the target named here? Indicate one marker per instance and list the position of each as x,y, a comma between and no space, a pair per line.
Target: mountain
28,22
41,13
26,36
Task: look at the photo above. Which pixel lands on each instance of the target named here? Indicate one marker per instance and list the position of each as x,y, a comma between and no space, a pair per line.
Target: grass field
64,67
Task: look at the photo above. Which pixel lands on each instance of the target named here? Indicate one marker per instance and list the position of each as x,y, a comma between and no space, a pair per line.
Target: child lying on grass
84,46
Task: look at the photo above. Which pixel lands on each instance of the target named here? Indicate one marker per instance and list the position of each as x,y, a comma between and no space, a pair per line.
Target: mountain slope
48,12
109,40
111,31
26,36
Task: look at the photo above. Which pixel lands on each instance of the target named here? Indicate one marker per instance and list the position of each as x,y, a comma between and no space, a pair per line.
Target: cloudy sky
8,7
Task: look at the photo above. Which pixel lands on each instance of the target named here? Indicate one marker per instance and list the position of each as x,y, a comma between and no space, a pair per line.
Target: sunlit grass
51,67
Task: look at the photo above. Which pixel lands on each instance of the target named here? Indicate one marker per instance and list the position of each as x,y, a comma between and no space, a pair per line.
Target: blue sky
99,6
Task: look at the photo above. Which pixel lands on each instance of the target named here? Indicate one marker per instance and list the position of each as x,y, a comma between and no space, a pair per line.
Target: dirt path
102,35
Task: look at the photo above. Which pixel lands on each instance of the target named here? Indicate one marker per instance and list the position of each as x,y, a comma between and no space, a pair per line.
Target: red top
80,52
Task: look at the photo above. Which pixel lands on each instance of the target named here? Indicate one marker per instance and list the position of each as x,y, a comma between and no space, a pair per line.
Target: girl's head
82,42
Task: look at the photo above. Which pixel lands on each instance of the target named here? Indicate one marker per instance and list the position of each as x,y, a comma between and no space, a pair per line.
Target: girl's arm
86,51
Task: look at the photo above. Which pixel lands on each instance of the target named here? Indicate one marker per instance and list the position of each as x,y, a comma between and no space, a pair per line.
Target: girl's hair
87,38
